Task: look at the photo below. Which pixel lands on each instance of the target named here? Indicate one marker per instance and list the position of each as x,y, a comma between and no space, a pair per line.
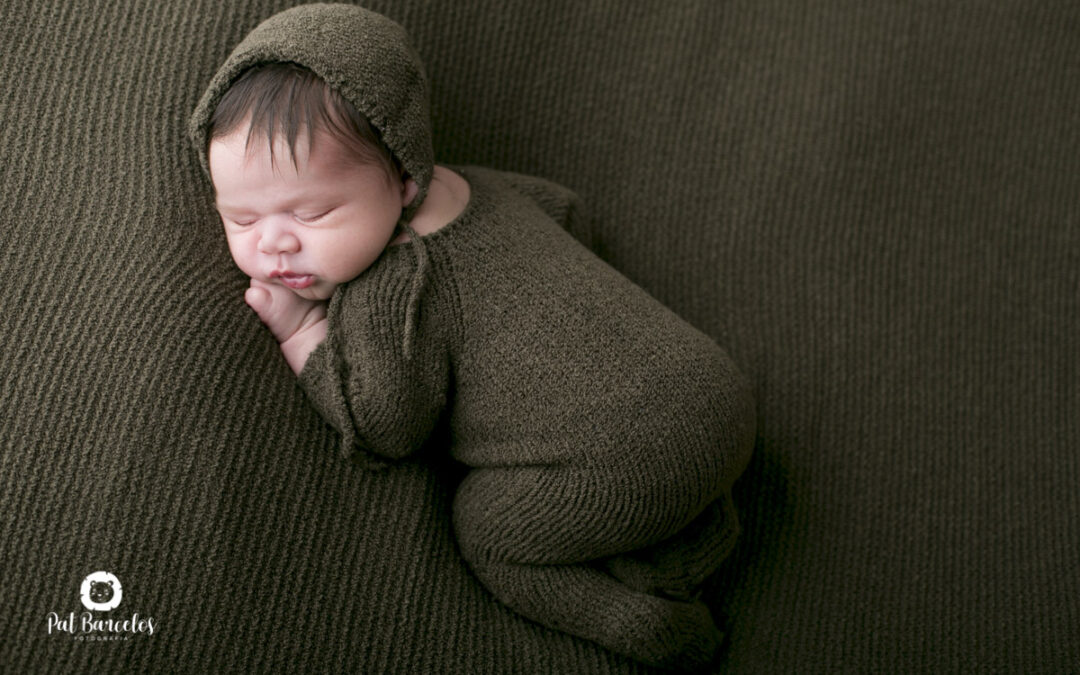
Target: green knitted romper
601,431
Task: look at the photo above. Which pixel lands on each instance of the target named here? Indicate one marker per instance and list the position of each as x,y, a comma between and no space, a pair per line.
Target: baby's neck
447,197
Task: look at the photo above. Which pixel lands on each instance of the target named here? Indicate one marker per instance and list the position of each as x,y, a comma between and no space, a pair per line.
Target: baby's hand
298,324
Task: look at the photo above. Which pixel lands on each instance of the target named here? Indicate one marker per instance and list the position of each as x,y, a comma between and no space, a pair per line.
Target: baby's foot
674,635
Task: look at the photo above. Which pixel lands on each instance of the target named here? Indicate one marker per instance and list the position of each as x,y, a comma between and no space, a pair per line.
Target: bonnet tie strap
416,288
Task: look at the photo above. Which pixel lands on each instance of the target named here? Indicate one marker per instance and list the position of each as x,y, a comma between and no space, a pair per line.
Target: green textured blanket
874,208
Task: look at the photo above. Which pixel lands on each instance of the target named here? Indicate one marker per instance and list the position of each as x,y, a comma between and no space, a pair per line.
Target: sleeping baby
601,433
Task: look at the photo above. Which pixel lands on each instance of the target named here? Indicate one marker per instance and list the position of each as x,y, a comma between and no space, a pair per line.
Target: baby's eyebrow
310,199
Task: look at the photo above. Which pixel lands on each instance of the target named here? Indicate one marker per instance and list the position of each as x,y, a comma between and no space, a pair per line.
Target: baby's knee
491,510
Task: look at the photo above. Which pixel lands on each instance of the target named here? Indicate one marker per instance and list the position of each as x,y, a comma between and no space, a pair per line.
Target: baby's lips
293,280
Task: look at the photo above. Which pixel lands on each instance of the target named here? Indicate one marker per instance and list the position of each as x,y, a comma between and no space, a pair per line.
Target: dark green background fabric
874,208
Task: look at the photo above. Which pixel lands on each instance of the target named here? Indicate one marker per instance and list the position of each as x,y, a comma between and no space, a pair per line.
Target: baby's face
309,227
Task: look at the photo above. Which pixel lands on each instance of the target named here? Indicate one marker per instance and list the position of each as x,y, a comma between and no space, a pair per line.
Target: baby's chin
318,291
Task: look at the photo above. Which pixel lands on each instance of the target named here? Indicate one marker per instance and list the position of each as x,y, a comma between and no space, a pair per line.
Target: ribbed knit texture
873,207
595,420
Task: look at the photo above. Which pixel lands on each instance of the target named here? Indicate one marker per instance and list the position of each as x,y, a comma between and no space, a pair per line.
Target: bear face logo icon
101,592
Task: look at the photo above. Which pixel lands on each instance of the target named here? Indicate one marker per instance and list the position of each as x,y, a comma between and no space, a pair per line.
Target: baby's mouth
293,280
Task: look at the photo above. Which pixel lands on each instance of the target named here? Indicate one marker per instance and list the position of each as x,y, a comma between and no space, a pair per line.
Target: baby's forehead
246,146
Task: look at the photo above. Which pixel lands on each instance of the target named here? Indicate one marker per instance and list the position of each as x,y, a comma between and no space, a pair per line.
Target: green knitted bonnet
364,56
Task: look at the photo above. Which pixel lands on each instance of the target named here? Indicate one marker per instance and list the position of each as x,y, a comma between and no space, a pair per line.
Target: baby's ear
409,190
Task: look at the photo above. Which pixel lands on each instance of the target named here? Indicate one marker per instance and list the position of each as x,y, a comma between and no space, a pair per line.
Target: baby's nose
277,238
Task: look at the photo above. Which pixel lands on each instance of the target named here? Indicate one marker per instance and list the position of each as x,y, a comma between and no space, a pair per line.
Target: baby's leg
678,566
528,534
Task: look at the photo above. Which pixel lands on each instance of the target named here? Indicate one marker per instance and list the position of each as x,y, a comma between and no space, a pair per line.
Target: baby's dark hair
283,98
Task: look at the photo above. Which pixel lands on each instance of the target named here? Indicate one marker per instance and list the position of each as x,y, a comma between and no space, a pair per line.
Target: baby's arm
298,324
361,380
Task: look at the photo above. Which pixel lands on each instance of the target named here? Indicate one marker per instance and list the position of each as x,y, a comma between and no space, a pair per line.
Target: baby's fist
298,324
285,313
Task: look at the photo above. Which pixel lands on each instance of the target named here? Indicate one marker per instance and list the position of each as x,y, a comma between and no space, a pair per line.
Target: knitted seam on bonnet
369,60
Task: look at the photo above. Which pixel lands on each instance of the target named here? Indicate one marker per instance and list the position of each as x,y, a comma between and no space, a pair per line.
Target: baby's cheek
360,255
241,254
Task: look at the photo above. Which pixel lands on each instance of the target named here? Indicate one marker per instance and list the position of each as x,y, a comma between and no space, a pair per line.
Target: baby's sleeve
383,403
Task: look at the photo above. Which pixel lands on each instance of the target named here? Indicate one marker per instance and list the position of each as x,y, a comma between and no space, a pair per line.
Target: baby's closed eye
305,218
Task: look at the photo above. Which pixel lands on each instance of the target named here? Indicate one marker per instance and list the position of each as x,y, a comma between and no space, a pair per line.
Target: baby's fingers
277,307
259,300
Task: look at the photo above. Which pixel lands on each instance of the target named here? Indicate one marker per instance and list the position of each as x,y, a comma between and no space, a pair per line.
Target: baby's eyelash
311,219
